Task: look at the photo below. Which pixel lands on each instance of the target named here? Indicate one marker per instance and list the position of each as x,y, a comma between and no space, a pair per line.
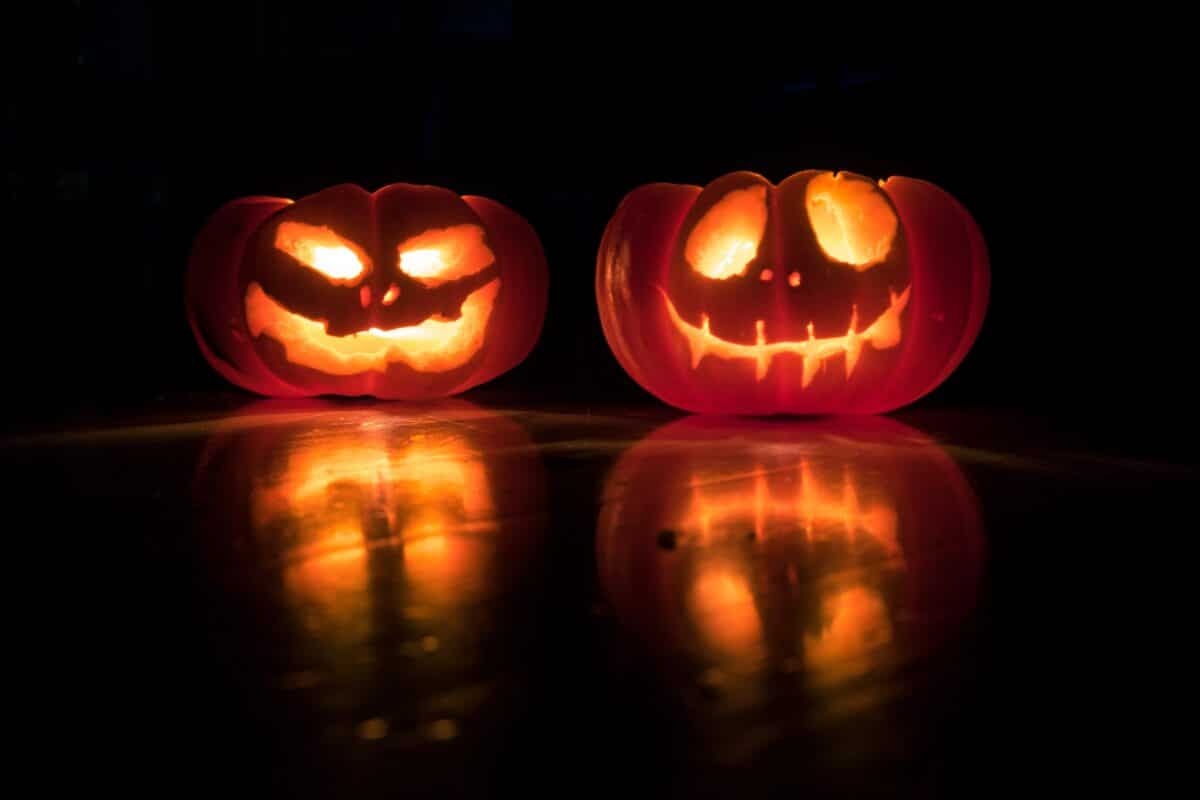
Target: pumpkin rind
794,330
275,325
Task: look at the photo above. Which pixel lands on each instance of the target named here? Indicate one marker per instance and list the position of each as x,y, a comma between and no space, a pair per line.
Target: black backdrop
135,121
150,117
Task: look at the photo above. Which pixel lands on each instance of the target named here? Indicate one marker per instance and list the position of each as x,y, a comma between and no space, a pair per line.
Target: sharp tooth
811,365
853,346
853,350
762,355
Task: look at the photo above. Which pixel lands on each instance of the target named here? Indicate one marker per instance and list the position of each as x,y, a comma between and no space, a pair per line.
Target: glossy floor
354,599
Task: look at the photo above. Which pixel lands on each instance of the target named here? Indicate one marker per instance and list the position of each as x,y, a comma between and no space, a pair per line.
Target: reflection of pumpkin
376,529
410,292
831,546
826,293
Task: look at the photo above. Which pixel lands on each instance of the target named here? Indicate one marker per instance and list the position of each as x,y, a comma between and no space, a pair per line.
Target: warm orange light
320,249
435,345
782,501
445,254
339,497
883,333
726,239
856,626
326,589
723,608
819,506
853,222
422,263
446,570
756,555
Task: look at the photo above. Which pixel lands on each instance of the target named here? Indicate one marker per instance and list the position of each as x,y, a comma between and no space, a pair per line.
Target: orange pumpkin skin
823,294
410,292
834,544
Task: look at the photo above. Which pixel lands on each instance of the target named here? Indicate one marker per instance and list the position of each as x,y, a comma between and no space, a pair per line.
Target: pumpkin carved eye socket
321,250
853,223
444,254
726,238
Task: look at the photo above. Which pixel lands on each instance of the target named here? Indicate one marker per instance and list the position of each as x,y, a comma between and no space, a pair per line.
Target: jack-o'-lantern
828,293
411,292
366,543
820,550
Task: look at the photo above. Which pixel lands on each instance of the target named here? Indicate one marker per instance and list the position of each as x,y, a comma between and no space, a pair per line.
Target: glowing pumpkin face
410,292
826,293
818,549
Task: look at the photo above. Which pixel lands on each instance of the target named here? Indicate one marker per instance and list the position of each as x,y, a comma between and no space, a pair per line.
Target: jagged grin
881,334
435,345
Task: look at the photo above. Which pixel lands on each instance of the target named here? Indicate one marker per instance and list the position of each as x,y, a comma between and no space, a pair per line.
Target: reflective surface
769,565
768,558
357,600
388,549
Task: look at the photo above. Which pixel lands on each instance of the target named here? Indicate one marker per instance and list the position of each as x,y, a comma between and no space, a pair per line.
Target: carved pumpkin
411,292
820,549
828,293
364,542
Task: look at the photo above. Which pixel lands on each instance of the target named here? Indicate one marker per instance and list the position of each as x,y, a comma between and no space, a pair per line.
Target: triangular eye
853,222
321,250
444,254
726,238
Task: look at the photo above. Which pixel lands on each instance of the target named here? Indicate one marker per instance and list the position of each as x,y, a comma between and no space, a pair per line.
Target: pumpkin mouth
436,344
881,334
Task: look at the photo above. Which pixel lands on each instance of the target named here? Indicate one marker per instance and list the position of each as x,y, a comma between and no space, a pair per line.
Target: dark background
151,116
135,121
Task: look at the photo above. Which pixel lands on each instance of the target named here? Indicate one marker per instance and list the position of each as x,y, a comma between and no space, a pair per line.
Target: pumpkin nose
364,296
766,275
794,279
391,294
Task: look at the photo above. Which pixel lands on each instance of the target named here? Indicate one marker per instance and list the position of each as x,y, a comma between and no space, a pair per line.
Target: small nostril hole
766,275
390,295
364,296
794,279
